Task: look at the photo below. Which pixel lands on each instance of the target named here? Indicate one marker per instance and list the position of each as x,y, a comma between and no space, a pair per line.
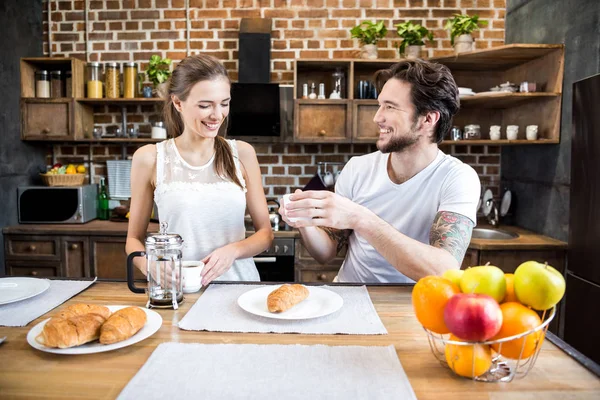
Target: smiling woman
200,181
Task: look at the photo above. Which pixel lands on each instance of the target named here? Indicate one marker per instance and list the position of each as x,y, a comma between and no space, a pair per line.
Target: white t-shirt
447,184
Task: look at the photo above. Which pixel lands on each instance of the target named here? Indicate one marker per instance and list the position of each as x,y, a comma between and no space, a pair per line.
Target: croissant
69,332
285,297
122,325
81,309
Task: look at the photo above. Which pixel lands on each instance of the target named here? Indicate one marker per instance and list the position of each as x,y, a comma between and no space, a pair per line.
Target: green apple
484,279
453,275
538,285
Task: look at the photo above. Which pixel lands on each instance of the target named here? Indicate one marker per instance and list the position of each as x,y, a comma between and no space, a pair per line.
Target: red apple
473,317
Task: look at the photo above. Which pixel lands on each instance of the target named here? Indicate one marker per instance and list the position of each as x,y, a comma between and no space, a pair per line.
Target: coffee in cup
192,280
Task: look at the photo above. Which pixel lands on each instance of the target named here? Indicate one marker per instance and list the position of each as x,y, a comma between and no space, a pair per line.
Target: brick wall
133,30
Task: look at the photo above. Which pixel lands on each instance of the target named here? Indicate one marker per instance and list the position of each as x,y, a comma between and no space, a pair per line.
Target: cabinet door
322,121
363,127
46,119
76,260
509,260
34,269
109,260
471,259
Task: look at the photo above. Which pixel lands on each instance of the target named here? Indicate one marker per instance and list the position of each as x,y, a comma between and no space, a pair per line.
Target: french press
163,269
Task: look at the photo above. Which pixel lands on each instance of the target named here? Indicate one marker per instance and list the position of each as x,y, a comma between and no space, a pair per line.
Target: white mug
191,278
284,201
495,132
328,179
512,132
531,132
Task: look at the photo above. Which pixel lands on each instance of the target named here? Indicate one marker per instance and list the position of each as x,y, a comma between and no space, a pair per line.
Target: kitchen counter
29,373
527,240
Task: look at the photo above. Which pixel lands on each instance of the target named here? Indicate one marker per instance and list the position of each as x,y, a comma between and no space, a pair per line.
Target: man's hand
325,208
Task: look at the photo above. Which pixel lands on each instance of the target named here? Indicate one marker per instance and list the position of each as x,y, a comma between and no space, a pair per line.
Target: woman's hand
218,262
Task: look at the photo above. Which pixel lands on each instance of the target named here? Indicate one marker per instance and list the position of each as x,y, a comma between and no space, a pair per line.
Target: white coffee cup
531,132
512,132
192,280
495,132
328,179
286,200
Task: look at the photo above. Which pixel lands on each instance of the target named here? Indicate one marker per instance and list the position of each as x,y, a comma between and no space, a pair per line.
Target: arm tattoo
339,236
451,232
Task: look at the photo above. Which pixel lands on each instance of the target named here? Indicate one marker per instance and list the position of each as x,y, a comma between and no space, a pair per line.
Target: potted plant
158,72
369,33
461,27
413,36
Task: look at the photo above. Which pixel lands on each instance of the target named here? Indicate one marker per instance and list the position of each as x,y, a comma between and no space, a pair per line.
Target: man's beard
400,143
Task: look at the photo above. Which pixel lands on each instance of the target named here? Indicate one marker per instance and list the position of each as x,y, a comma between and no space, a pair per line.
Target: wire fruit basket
63,179
502,369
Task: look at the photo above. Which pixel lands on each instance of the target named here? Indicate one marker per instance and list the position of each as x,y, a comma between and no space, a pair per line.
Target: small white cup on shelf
512,132
531,132
495,132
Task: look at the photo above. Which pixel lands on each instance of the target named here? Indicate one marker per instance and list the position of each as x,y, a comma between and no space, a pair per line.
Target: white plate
487,208
320,302
153,323
17,289
505,204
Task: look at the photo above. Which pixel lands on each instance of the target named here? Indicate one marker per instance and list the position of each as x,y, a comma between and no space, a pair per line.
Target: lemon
81,169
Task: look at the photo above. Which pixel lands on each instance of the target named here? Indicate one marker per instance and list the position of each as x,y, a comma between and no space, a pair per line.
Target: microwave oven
57,205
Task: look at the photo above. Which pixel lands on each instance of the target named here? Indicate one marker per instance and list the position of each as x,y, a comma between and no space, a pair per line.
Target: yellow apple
453,275
538,285
484,279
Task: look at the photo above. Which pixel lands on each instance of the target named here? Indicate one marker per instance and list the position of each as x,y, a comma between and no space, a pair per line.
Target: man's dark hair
432,89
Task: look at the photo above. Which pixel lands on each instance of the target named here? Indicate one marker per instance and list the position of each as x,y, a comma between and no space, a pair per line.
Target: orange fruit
517,319
469,360
81,169
429,297
510,289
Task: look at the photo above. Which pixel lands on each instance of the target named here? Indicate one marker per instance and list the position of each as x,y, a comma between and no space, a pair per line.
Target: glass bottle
112,80
42,84
93,80
339,82
321,95
56,84
129,80
103,211
312,94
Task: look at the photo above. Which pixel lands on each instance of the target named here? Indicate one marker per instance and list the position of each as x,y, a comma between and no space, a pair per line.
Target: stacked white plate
17,289
462,91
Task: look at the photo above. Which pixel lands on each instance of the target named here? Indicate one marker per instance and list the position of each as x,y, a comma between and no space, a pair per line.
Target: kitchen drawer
322,121
323,275
303,254
32,247
46,119
37,269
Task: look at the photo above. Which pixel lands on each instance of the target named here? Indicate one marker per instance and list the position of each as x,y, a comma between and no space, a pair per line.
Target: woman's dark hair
432,89
189,71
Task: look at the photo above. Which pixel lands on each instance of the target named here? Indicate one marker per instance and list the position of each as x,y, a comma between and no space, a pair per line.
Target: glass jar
472,132
339,82
112,80
68,84
42,84
130,72
159,131
94,80
56,84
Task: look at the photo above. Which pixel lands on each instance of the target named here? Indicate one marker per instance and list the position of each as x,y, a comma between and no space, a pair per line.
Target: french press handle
130,271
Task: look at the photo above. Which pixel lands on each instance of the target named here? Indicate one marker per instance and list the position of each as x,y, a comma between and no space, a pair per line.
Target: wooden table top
28,373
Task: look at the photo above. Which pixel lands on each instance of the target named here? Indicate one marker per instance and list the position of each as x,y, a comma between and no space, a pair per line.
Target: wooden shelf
503,100
502,142
497,58
121,101
324,102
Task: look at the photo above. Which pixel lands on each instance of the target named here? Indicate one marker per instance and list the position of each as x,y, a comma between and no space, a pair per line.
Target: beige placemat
217,310
251,371
23,312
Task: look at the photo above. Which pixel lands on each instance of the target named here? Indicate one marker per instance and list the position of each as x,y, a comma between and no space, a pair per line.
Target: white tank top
207,210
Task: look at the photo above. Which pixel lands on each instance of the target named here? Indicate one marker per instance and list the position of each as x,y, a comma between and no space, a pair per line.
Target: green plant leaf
158,69
369,32
463,25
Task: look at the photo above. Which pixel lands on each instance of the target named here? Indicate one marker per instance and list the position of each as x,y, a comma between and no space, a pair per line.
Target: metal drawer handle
34,273
265,259
32,248
74,246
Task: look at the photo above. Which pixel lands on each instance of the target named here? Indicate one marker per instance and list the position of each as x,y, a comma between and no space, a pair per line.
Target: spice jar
42,84
68,84
93,80
112,80
472,132
129,80
159,131
56,84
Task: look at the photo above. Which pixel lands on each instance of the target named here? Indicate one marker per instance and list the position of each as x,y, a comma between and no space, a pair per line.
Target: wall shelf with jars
510,94
58,96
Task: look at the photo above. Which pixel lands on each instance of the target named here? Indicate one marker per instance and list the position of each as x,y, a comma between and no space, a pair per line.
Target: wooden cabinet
309,270
109,260
480,70
75,256
509,260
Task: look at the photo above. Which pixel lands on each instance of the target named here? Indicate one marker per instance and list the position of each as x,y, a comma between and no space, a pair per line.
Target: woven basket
63,180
